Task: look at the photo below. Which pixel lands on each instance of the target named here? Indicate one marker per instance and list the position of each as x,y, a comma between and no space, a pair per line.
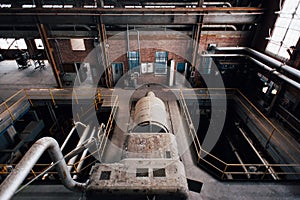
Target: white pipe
219,26
70,134
22,169
84,153
171,73
80,142
217,3
67,139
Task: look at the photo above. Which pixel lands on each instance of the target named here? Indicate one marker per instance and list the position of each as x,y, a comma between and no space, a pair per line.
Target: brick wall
150,42
223,39
67,54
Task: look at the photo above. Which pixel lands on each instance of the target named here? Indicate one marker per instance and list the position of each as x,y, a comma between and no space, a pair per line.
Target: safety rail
29,95
12,109
223,168
219,165
109,126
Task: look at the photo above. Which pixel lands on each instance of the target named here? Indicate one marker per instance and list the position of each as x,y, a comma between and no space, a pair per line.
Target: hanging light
274,91
265,89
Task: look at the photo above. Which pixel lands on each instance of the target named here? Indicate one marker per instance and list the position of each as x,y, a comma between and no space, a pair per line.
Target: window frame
281,42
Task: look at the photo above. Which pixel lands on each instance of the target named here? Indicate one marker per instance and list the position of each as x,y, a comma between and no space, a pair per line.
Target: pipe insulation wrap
22,169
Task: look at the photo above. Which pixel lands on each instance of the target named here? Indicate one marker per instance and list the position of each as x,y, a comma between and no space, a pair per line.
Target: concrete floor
12,79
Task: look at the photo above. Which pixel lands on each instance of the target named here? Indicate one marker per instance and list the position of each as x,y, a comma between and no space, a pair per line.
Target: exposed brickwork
70,56
149,44
227,40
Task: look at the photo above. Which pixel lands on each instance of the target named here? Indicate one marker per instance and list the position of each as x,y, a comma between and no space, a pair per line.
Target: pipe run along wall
272,65
22,169
265,58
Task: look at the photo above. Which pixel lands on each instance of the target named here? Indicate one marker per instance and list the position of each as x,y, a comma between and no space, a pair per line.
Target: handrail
17,176
227,166
192,131
108,127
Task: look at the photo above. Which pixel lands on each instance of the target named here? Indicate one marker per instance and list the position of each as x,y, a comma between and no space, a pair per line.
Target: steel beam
232,15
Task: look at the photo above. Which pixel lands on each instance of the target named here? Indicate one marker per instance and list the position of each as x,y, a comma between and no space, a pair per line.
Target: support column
196,44
102,40
49,52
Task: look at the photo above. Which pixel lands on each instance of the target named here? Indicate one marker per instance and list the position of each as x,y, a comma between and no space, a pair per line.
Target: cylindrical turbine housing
150,115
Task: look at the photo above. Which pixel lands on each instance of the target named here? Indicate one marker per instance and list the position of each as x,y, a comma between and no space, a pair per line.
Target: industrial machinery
150,167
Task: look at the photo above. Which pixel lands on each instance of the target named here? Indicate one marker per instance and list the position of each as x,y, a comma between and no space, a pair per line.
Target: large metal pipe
22,169
217,4
265,58
264,66
70,134
80,142
78,168
276,73
219,26
67,139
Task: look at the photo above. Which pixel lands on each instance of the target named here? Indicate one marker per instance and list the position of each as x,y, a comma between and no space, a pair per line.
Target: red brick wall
230,39
67,54
149,44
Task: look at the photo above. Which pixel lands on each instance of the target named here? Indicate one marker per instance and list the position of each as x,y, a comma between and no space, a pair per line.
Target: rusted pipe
22,169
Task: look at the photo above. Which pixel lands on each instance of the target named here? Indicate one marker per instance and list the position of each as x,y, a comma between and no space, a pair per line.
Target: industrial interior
118,99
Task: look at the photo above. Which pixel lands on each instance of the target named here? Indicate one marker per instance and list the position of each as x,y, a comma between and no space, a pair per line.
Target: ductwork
22,169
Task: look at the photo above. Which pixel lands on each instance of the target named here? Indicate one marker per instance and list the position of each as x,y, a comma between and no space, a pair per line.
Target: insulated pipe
217,3
139,45
22,169
277,64
84,153
67,139
276,73
266,67
70,134
219,26
80,142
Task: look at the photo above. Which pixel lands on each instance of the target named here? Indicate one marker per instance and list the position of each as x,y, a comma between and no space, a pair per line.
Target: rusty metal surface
150,115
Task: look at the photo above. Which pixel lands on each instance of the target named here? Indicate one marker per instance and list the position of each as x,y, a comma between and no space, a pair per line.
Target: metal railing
216,163
13,108
55,95
227,169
